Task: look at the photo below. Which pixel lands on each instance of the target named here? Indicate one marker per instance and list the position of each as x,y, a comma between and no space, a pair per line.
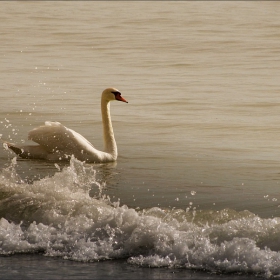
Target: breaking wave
59,217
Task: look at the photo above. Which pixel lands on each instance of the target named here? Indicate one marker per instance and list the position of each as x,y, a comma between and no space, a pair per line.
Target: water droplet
14,160
57,166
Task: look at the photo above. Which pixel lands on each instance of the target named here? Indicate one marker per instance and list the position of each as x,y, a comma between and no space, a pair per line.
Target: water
194,193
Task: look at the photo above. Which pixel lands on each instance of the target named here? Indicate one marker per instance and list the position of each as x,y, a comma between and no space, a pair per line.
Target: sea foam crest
57,216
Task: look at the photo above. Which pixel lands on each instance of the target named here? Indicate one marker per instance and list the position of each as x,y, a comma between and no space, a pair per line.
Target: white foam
57,216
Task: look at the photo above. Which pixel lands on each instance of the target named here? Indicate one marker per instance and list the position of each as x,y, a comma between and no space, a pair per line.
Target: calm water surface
196,184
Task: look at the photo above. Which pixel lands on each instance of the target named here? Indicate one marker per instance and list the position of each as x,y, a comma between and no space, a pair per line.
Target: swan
57,142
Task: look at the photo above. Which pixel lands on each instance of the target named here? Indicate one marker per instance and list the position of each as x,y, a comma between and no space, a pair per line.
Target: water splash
57,216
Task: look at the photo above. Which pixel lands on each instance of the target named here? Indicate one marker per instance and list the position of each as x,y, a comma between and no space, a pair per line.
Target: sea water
60,216
195,190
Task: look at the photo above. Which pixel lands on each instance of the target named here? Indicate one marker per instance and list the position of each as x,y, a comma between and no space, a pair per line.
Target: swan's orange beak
120,98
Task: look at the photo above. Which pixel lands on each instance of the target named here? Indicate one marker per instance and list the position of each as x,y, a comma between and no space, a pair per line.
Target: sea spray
58,217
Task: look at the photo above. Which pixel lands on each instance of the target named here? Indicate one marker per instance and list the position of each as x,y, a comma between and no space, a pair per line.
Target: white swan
57,142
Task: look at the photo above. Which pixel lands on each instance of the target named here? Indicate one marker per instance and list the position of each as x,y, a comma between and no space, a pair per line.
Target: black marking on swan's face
116,92
118,96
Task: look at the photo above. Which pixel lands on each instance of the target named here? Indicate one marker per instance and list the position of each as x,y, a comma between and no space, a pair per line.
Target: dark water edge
31,266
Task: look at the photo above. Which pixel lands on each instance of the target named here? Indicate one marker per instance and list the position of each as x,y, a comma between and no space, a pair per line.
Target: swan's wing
54,136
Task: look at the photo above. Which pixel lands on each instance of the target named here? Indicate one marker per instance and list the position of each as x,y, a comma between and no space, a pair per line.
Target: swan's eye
116,93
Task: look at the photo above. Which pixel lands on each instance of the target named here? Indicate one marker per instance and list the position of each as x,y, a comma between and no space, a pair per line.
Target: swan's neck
110,145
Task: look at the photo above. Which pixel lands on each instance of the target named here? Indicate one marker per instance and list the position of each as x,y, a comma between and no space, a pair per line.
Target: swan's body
57,142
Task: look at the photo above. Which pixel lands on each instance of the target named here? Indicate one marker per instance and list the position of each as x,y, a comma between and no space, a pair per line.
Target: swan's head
110,94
